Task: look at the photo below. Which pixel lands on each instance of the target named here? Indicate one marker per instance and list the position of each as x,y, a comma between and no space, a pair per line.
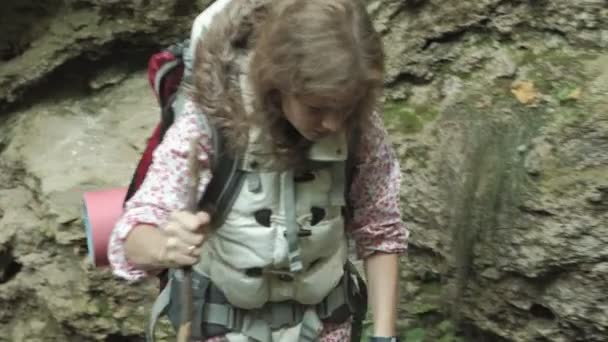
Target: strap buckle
281,314
235,318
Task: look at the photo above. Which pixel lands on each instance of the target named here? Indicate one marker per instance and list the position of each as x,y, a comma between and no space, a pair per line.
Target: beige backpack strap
158,309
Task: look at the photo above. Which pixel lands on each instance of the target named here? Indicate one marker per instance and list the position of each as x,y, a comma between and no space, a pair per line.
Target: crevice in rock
541,311
13,50
72,78
535,211
410,6
408,78
547,277
9,266
16,25
123,338
183,7
415,5
117,12
446,37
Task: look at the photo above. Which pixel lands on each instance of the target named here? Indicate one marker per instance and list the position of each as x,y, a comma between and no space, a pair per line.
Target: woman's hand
178,243
185,234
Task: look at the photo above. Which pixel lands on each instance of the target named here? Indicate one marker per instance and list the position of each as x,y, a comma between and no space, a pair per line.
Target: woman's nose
332,122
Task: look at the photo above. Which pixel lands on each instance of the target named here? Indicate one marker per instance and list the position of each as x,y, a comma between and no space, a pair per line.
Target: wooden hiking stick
184,333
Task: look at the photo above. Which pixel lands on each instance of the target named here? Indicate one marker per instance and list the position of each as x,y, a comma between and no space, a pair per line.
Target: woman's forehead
335,99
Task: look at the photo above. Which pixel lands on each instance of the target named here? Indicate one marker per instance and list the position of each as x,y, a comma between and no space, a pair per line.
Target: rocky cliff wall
498,111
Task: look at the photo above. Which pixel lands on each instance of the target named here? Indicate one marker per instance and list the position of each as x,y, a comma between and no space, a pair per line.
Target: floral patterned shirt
376,225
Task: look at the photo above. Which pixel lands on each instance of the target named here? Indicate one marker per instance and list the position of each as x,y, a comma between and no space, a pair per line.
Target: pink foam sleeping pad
101,211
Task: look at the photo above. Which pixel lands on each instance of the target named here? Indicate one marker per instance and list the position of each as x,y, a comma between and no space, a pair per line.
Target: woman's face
312,117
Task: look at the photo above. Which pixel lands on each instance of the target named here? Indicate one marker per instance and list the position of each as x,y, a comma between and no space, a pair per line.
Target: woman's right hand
184,235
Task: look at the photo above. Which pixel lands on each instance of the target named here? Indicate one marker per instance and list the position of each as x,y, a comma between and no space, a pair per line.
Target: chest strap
288,200
213,315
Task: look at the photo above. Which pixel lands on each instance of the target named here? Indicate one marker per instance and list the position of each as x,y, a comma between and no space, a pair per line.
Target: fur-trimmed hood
221,51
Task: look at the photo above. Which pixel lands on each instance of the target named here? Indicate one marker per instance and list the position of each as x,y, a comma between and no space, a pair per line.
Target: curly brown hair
327,49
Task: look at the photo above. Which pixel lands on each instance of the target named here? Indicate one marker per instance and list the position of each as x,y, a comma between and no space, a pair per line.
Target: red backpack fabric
165,73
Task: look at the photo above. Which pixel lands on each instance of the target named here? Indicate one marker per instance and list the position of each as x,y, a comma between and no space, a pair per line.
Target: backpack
165,74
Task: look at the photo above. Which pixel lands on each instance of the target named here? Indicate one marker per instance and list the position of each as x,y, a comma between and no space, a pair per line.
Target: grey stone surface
498,111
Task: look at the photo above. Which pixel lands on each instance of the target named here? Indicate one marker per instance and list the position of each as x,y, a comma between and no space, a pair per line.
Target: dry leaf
524,91
575,94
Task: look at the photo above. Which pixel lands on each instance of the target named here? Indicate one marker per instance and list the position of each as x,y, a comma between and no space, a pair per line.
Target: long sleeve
164,189
376,225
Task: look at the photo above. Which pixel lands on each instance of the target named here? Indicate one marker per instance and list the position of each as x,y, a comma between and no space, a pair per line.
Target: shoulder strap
167,78
351,169
226,176
226,182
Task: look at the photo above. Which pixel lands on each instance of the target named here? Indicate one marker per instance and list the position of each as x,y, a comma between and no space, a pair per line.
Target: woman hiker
288,84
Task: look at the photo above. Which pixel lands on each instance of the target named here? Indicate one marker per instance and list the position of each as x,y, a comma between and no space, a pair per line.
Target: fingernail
203,216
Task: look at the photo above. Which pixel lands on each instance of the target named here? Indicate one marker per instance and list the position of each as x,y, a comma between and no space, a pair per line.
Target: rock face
39,37
498,111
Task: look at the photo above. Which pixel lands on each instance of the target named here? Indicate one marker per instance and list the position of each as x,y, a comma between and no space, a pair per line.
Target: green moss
446,326
564,91
450,338
556,72
428,300
367,330
555,56
564,179
104,308
448,332
571,117
407,119
415,335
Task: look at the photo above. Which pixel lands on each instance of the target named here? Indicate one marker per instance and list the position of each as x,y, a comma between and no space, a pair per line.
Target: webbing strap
258,324
231,318
158,309
336,197
160,74
311,327
223,189
336,298
227,178
288,199
254,326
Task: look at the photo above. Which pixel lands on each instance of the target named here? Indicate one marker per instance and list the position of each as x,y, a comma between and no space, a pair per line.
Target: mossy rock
406,119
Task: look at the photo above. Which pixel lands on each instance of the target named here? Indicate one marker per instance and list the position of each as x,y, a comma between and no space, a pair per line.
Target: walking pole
184,333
